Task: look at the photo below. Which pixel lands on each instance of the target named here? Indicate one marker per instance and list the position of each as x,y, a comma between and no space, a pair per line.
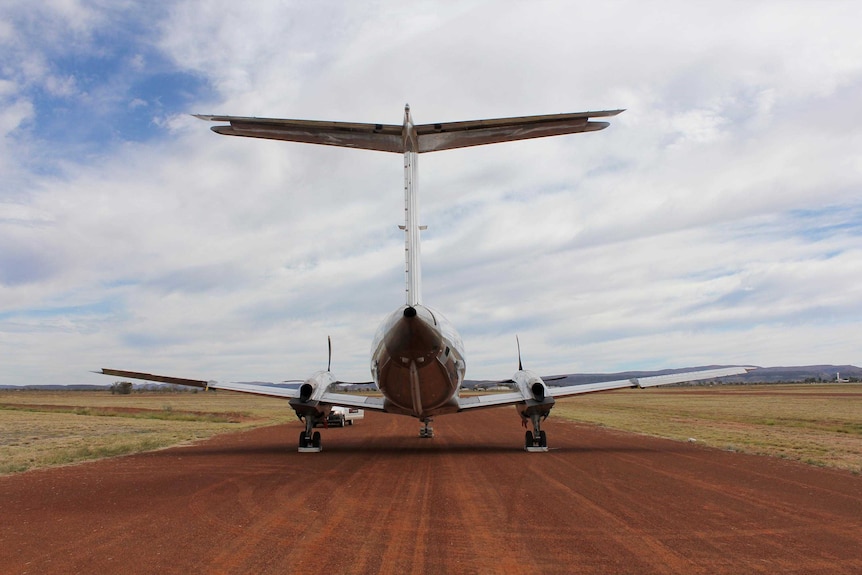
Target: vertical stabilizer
411,211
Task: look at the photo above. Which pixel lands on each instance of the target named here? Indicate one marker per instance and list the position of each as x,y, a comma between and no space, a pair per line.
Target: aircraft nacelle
308,405
532,387
534,409
311,410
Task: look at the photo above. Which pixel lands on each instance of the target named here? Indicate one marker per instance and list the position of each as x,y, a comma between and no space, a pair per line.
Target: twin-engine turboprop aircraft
417,357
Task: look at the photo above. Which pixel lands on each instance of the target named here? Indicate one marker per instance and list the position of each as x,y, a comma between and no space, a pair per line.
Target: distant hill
799,373
824,373
759,375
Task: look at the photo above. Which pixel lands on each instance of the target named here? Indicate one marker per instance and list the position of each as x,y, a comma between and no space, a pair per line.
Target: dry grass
817,424
41,429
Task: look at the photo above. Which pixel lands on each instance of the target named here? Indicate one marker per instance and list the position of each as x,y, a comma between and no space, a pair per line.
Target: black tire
350,422
341,422
302,439
315,439
528,439
543,439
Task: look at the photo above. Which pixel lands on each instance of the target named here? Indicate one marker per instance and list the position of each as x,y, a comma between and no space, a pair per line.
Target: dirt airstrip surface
381,500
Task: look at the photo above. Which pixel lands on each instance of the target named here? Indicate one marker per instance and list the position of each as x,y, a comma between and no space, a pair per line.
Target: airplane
417,357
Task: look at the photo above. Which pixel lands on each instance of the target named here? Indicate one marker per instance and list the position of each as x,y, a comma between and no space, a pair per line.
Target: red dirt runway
381,500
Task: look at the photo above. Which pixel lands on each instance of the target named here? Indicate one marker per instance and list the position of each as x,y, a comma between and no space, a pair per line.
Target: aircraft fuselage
418,362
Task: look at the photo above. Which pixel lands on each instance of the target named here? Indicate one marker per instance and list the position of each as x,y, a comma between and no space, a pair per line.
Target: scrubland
819,424
45,428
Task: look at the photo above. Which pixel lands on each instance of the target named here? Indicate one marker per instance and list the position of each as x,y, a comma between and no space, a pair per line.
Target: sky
718,220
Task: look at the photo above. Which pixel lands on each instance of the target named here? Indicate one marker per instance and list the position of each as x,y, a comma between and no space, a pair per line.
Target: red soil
381,500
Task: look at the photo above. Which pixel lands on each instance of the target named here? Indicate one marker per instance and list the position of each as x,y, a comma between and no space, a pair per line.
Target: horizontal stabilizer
383,138
435,137
394,138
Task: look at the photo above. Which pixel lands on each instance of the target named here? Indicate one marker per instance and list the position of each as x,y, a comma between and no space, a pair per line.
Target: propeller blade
518,341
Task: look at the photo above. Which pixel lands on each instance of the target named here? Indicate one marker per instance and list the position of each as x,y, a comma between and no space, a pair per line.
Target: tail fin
411,141
412,250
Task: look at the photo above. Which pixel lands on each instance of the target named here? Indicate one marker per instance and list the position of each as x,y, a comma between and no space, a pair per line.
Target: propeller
329,361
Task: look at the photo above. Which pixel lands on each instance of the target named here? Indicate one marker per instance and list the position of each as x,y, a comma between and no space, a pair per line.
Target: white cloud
711,223
63,87
13,115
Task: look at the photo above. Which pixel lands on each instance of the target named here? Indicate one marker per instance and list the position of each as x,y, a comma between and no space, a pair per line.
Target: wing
394,138
343,399
644,382
492,400
256,389
525,394
346,400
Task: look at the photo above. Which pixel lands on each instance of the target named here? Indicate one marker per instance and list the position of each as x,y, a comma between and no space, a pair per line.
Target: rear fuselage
417,362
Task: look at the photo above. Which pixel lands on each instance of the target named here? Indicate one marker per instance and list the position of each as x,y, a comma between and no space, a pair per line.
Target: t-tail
411,140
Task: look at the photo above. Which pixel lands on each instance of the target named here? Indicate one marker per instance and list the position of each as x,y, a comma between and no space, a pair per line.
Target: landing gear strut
536,440
426,430
309,440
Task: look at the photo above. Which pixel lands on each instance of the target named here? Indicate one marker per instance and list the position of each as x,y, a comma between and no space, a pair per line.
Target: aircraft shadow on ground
382,448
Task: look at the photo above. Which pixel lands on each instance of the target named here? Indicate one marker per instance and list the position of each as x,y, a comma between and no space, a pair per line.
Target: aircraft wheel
315,439
528,439
543,439
302,439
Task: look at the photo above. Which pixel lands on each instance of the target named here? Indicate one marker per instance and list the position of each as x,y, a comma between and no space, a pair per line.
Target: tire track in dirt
381,500
781,524
676,465
651,553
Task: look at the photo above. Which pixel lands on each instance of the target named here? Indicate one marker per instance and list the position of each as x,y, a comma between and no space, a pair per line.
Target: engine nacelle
307,403
537,398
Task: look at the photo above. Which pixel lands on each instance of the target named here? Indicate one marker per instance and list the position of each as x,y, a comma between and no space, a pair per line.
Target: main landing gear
309,440
536,440
426,431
